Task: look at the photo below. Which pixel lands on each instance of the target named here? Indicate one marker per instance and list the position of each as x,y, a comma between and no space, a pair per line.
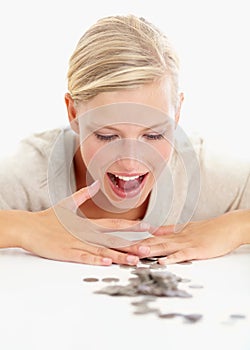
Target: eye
153,136
105,138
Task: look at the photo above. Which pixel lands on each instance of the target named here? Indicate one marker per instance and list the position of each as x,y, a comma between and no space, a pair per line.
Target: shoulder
214,159
23,174
224,179
223,163
214,179
41,142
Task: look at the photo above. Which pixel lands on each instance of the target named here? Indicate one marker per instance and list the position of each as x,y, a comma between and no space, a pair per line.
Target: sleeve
224,181
23,175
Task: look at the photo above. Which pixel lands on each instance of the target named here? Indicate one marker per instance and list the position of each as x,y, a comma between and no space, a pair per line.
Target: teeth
128,178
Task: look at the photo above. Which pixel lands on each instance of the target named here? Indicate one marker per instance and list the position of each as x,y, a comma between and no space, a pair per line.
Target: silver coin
193,317
185,280
141,268
110,279
157,266
90,279
148,260
151,284
124,266
235,316
169,315
195,286
144,309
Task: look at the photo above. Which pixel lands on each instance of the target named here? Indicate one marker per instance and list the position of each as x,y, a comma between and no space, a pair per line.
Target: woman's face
128,173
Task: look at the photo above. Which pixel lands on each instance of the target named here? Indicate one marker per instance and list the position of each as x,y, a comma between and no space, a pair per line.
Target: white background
211,38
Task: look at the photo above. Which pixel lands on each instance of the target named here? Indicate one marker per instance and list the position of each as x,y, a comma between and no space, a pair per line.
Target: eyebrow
95,126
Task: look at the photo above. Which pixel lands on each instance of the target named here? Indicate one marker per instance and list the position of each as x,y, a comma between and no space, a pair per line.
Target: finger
179,256
141,251
155,246
116,256
79,256
76,199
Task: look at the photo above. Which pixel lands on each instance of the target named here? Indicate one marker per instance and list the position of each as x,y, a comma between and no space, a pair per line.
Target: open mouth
126,186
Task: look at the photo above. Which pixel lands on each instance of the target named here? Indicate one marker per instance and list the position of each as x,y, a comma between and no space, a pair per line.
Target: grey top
197,184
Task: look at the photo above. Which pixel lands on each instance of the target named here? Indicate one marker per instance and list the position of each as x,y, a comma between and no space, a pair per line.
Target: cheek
88,151
164,149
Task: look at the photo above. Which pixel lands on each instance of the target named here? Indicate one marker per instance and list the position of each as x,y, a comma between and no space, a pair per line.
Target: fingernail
143,250
131,259
107,261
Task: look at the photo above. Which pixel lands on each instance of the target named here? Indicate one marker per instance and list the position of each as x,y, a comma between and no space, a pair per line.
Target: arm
201,239
43,234
9,228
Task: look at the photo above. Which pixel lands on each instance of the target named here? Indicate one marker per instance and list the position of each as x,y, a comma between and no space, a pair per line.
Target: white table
46,305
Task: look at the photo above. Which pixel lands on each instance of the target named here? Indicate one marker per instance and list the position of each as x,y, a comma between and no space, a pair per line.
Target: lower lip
120,193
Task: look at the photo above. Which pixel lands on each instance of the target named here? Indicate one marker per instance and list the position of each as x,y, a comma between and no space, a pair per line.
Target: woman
129,164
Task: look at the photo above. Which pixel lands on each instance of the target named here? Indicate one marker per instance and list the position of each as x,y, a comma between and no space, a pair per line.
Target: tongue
128,186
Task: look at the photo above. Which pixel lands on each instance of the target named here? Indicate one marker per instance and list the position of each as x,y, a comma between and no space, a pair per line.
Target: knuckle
87,258
163,246
99,250
120,258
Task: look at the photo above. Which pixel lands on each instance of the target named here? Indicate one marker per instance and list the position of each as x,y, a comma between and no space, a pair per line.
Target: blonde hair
120,52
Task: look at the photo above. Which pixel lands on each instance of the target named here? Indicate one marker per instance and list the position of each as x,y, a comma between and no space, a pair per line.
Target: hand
47,236
198,240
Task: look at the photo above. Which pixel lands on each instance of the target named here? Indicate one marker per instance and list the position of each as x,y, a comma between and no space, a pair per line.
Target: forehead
156,95
123,113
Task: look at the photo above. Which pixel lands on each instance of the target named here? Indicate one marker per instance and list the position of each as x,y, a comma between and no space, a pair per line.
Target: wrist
245,225
240,225
12,228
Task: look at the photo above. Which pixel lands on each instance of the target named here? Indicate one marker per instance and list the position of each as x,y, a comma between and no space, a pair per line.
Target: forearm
244,224
11,227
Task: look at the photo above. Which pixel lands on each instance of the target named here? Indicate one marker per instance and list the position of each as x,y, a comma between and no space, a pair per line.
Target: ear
178,109
70,105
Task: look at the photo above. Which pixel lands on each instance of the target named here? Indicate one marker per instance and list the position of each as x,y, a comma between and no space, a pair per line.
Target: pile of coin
148,282
151,281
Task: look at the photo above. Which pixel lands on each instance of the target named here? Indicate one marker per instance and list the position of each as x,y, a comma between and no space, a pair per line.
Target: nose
129,165
128,157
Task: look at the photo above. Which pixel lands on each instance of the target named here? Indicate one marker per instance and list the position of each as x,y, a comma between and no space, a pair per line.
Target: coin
149,282
169,315
150,258
195,286
185,280
124,266
193,317
90,279
235,316
157,266
144,309
110,279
